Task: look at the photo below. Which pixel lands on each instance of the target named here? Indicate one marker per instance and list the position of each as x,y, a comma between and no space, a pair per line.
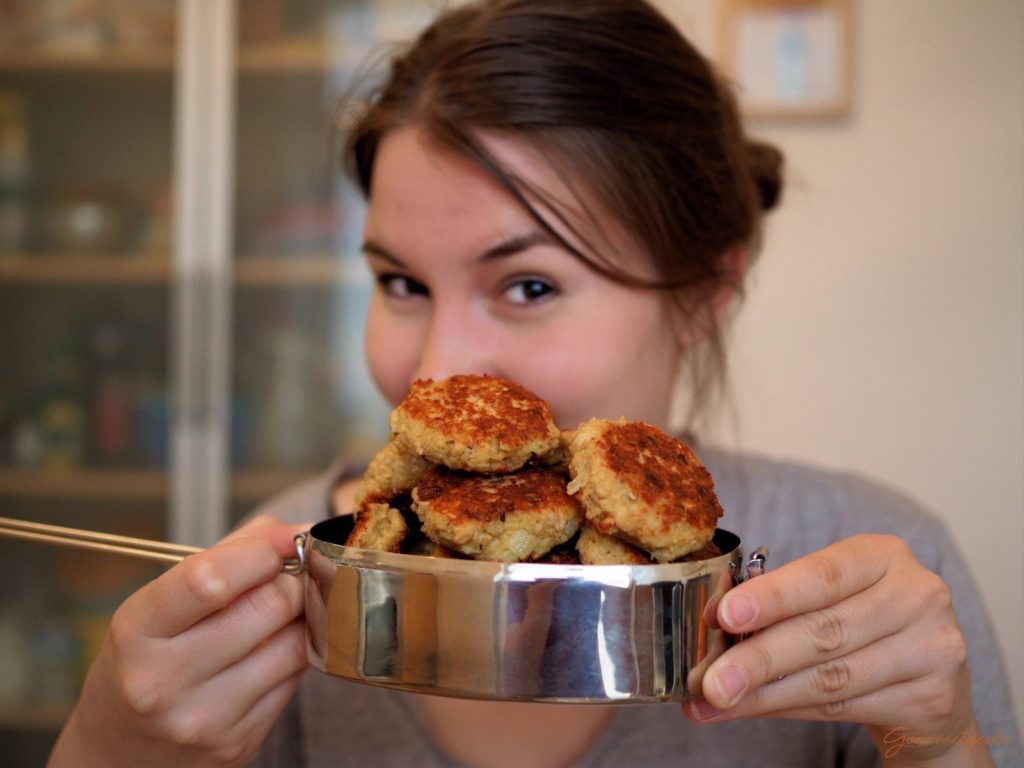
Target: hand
858,632
197,664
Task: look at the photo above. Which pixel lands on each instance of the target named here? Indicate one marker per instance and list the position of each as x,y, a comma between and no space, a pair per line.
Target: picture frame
789,59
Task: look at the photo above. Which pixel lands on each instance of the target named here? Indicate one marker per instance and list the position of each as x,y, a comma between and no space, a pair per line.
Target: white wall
884,329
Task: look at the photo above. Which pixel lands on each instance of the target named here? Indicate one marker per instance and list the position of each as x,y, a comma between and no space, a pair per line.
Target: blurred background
182,293
883,332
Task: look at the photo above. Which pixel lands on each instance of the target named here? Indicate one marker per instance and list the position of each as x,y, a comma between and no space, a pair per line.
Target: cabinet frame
201,307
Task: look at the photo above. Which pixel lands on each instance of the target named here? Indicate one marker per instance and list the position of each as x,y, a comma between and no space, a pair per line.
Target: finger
281,535
264,713
893,660
809,583
232,633
279,658
803,641
888,705
215,717
200,585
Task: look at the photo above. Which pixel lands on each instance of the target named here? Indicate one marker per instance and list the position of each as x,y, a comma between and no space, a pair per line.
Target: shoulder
310,500
808,507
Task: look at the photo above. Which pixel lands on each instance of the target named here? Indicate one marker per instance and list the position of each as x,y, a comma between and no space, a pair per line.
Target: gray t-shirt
792,509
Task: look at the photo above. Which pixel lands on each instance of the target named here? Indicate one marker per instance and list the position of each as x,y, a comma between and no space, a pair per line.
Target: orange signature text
899,739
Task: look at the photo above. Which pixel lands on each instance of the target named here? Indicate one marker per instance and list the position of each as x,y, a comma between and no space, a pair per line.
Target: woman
560,193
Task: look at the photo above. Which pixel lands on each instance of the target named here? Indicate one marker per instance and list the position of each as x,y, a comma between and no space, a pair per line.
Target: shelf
78,270
86,484
295,57
110,60
286,57
114,269
133,485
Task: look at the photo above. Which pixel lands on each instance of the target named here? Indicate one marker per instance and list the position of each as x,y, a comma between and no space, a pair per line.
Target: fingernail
701,711
731,682
738,610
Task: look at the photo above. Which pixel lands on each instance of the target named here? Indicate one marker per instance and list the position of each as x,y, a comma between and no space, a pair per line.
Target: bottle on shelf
153,419
61,411
15,173
112,412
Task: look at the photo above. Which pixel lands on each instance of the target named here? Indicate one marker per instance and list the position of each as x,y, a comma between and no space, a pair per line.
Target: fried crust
641,485
474,423
509,518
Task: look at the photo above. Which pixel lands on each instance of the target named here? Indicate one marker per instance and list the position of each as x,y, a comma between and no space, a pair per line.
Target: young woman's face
467,282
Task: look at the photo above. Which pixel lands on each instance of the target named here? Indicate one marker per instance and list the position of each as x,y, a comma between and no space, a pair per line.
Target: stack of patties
476,460
477,468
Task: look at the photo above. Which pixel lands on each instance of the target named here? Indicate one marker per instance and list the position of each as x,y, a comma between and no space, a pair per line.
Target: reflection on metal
606,660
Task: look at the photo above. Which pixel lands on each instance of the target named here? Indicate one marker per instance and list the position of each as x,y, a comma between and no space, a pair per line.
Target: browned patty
596,548
643,486
510,517
392,471
380,528
474,423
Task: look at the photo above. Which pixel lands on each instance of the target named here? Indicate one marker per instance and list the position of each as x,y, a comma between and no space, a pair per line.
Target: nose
456,344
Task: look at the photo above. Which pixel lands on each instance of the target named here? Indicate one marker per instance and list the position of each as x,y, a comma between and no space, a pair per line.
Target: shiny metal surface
520,631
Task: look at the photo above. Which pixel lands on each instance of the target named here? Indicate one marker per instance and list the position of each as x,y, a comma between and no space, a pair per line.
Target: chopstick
94,540
147,549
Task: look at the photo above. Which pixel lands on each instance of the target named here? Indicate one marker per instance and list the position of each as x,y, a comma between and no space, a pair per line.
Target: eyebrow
503,249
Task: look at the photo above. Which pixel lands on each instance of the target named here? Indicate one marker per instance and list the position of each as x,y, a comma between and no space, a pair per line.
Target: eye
528,291
401,286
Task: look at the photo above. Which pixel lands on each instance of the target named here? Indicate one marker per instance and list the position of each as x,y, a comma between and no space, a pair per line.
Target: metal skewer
78,538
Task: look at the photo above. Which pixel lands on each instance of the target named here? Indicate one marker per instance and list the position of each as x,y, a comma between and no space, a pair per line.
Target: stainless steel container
514,631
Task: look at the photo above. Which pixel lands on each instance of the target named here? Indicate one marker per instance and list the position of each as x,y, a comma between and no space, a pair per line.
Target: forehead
412,176
420,189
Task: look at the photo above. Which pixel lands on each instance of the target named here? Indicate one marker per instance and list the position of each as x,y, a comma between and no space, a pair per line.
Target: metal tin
514,631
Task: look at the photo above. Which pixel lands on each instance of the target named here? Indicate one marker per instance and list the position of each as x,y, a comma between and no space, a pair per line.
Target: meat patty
596,548
393,471
510,517
643,486
380,528
474,423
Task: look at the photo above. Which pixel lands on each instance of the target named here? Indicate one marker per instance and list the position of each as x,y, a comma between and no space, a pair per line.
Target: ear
710,308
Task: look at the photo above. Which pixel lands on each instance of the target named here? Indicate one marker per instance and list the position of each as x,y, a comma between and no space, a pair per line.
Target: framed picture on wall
789,59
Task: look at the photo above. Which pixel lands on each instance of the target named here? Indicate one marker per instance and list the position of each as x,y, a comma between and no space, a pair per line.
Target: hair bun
765,163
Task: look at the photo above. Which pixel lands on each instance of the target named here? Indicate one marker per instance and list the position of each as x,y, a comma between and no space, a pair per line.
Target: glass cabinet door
301,395
181,294
86,123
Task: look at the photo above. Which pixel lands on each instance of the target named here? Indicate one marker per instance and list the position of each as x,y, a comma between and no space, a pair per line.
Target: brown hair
613,96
